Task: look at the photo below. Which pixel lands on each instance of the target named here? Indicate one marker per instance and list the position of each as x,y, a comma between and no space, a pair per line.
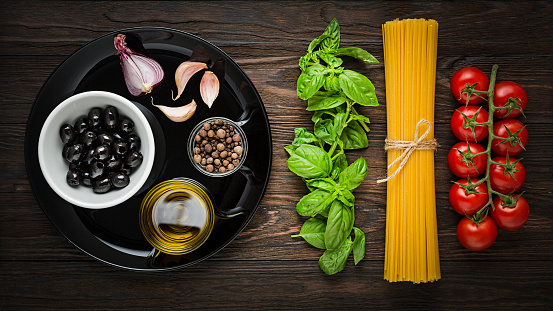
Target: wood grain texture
263,268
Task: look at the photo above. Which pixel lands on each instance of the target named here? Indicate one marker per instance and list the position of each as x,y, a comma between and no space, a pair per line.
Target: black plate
113,235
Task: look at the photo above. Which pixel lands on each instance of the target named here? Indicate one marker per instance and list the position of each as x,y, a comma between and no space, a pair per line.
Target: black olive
127,170
101,185
73,177
133,159
104,138
81,125
133,141
110,116
67,133
126,126
73,153
102,152
118,136
88,157
88,138
120,179
113,162
95,117
119,148
96,169
86,179
73,166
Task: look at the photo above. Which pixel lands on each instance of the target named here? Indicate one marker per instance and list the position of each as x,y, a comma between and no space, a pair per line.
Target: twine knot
418,143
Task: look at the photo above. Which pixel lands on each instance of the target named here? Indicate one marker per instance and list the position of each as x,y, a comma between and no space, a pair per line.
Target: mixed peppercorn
218,147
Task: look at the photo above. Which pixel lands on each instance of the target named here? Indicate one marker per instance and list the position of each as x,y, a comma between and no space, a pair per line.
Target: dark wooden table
264,268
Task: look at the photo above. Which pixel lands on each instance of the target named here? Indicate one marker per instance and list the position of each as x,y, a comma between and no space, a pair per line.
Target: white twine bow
418,143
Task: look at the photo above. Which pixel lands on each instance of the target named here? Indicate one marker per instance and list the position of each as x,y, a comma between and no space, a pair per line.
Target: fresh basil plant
318,158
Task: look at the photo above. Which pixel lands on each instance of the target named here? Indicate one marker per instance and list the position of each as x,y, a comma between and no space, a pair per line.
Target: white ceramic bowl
54,167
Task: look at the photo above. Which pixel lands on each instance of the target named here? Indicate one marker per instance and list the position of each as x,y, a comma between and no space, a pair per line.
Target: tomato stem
484,210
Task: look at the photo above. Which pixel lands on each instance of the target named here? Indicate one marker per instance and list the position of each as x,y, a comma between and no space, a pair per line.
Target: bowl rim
128,192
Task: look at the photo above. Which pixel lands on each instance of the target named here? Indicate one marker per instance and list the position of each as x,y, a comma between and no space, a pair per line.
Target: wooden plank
232,285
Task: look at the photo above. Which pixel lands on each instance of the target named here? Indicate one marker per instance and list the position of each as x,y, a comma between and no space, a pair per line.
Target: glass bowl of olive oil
177,216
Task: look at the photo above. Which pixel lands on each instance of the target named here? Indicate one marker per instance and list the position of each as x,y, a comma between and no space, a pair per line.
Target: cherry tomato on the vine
469,76
463,163
512,130
511,93
474,236
460,126
468,203
507,179
510,218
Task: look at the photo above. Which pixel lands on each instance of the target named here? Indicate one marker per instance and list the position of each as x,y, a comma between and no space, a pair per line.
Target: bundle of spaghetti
410,51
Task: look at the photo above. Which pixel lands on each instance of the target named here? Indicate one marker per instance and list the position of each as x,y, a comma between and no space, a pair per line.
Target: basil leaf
324,129
331,60
304,60
332,83
331,44
354,137
324,101
358,87
340,162
310,161
334,173
315,202
316,42
317,116
358,117
339,120
310,81
339,224
290,149
353,175
302,136
313,231
321,183
358,53
346,197
334,261
358,245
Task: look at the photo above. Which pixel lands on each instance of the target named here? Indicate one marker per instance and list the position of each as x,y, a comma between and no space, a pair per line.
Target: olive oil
177,216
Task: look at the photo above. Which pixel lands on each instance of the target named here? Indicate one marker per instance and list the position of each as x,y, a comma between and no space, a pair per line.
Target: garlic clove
209,88
184,72
178,114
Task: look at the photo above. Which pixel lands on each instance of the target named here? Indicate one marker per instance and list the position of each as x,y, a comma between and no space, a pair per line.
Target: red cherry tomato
462,168
506,180
460,127
509,91
469,76
476,237
502,129
468,203
510,218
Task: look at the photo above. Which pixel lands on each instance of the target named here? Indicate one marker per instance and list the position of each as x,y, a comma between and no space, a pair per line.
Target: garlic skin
209,88
178,114
184,72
